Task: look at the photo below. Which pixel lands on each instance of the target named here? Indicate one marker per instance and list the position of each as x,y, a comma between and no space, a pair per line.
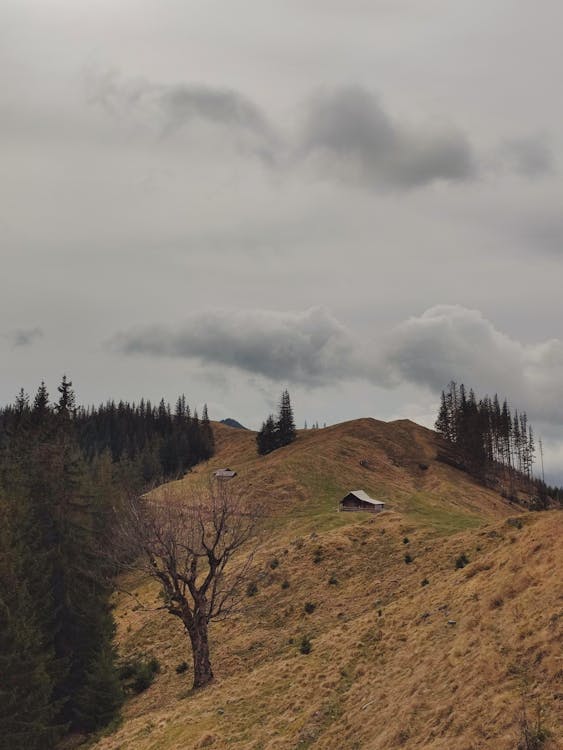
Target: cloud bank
312,348
346,135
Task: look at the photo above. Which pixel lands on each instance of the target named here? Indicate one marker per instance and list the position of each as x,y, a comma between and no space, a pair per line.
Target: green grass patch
429,512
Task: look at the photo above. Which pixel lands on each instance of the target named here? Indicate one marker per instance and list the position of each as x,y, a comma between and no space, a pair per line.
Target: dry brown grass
386,669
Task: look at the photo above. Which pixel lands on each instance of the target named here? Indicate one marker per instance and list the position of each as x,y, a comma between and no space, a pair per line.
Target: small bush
251,588
305,646
461,561
408,558
274,563
406,540
285,584
333,580
310,607
424,582
138,674
182,667
318,556
534,734
516,522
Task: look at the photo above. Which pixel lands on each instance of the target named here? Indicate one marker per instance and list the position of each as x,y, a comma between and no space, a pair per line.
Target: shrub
305,646
461,561
408,558
424,582
138,674
318,556
251,588
182,667
333,580
534,734
285,584
274,563
406,540
310,607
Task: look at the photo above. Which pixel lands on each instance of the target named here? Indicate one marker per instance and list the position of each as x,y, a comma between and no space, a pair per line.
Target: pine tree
27,710
41,402
286,424
66,405
267,438
208,440
442,424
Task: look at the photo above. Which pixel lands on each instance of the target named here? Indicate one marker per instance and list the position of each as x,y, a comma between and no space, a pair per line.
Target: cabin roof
364,497
225,473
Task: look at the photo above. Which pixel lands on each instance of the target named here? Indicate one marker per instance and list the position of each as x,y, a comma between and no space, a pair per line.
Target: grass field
394,663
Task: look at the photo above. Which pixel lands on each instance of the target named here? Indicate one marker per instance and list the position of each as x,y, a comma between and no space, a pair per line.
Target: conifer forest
63,472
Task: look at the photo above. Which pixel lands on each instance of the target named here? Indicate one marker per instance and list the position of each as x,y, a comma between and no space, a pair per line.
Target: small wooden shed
360,500
225,474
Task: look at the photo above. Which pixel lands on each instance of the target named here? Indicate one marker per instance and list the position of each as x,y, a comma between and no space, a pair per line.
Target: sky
359,200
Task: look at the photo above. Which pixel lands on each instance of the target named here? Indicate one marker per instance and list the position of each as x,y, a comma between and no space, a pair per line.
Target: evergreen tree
267,438
27,709
286,424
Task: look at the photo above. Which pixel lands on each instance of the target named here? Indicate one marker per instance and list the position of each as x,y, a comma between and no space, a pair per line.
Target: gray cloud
25,336
452,342
170,108
529,157
350,136
310,347
346,135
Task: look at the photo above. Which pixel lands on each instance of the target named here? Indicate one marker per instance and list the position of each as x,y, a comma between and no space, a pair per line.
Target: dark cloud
528,157
26,336
350,136
310,347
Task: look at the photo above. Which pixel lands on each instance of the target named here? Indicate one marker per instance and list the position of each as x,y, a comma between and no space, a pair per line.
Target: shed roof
225,473
364,497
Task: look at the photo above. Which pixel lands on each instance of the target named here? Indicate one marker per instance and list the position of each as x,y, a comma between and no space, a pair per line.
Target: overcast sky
355,199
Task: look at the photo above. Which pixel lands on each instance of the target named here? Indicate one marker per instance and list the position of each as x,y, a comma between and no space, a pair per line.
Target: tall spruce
286,423
276,433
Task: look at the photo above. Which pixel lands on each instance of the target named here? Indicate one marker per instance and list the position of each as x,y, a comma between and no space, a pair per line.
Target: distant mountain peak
233,423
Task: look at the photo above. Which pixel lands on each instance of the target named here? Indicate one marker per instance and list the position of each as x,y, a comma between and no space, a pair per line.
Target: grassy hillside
394,663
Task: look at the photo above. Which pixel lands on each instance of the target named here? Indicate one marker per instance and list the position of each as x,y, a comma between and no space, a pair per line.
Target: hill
417,655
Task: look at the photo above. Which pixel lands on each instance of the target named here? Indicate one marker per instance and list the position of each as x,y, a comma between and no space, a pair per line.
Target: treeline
276,432
63,471
150,443
491,441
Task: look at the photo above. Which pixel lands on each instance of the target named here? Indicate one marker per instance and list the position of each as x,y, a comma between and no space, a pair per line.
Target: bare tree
186,540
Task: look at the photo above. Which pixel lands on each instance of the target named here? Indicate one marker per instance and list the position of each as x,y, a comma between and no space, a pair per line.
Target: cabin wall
358,505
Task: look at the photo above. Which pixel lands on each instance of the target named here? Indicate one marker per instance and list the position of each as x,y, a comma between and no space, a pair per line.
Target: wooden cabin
360,500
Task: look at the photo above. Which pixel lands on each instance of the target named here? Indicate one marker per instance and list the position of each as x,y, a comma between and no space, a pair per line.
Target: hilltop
418,655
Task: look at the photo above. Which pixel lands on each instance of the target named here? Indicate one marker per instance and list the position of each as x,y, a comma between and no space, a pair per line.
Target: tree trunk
203,673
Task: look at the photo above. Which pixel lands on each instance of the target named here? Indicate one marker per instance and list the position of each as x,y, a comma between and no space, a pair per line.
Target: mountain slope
395,462
394,663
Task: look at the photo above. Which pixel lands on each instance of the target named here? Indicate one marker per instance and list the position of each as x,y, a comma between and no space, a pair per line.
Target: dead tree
187,541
